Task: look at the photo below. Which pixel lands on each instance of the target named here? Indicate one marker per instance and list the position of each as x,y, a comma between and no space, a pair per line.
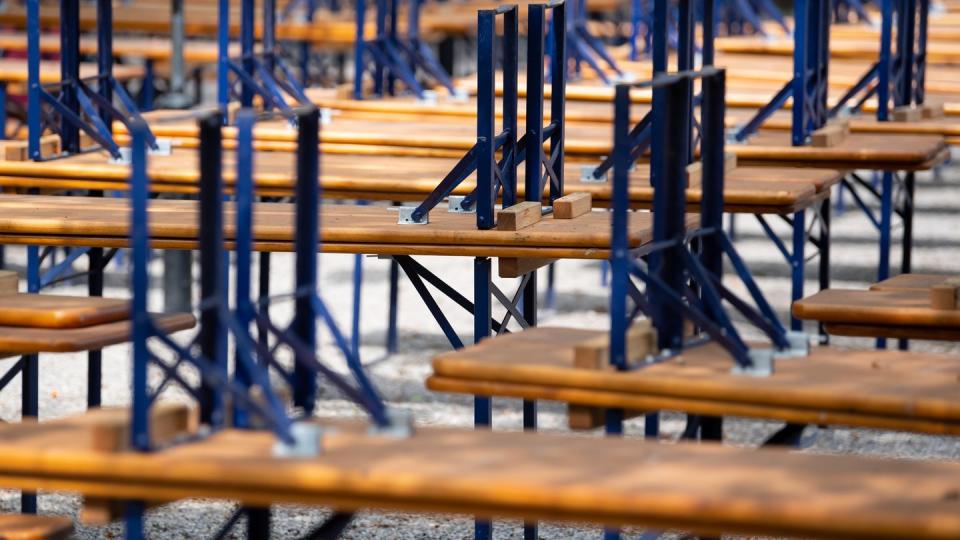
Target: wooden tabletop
898,307
702,488
748,189
881,389
886,151
901,307
104,222
880,151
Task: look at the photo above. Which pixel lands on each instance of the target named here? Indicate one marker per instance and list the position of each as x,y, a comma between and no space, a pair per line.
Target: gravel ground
581,302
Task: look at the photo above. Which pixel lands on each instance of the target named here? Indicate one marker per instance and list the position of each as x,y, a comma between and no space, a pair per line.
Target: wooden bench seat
58,311
31,340
104,222
877,389
34,527
704,488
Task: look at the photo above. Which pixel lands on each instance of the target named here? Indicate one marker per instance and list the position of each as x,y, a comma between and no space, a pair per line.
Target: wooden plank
593,399
572,205
884,152
519,216
530,476
34,527
915,389
747,188
92,217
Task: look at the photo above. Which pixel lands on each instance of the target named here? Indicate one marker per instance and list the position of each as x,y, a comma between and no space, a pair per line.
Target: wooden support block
594,354
514,267
519,216
572,206
829,135
729,162
842,123
9,282
694,174
931,111
907,114
34,527
16,150
110,426
946,295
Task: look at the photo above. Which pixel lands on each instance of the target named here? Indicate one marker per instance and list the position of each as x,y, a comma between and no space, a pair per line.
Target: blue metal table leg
797,263
613,426
258,523
146,95
825,219
133,520
482,405
886,219
357,289
906,214
3,110
94,358
841,201
394,294
530,407
30,375
551,289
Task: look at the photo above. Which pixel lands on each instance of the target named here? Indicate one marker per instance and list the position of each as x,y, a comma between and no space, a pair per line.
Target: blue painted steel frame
808,87
263,74
253,358
585,48
80,104
671,266
897,78
389,56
